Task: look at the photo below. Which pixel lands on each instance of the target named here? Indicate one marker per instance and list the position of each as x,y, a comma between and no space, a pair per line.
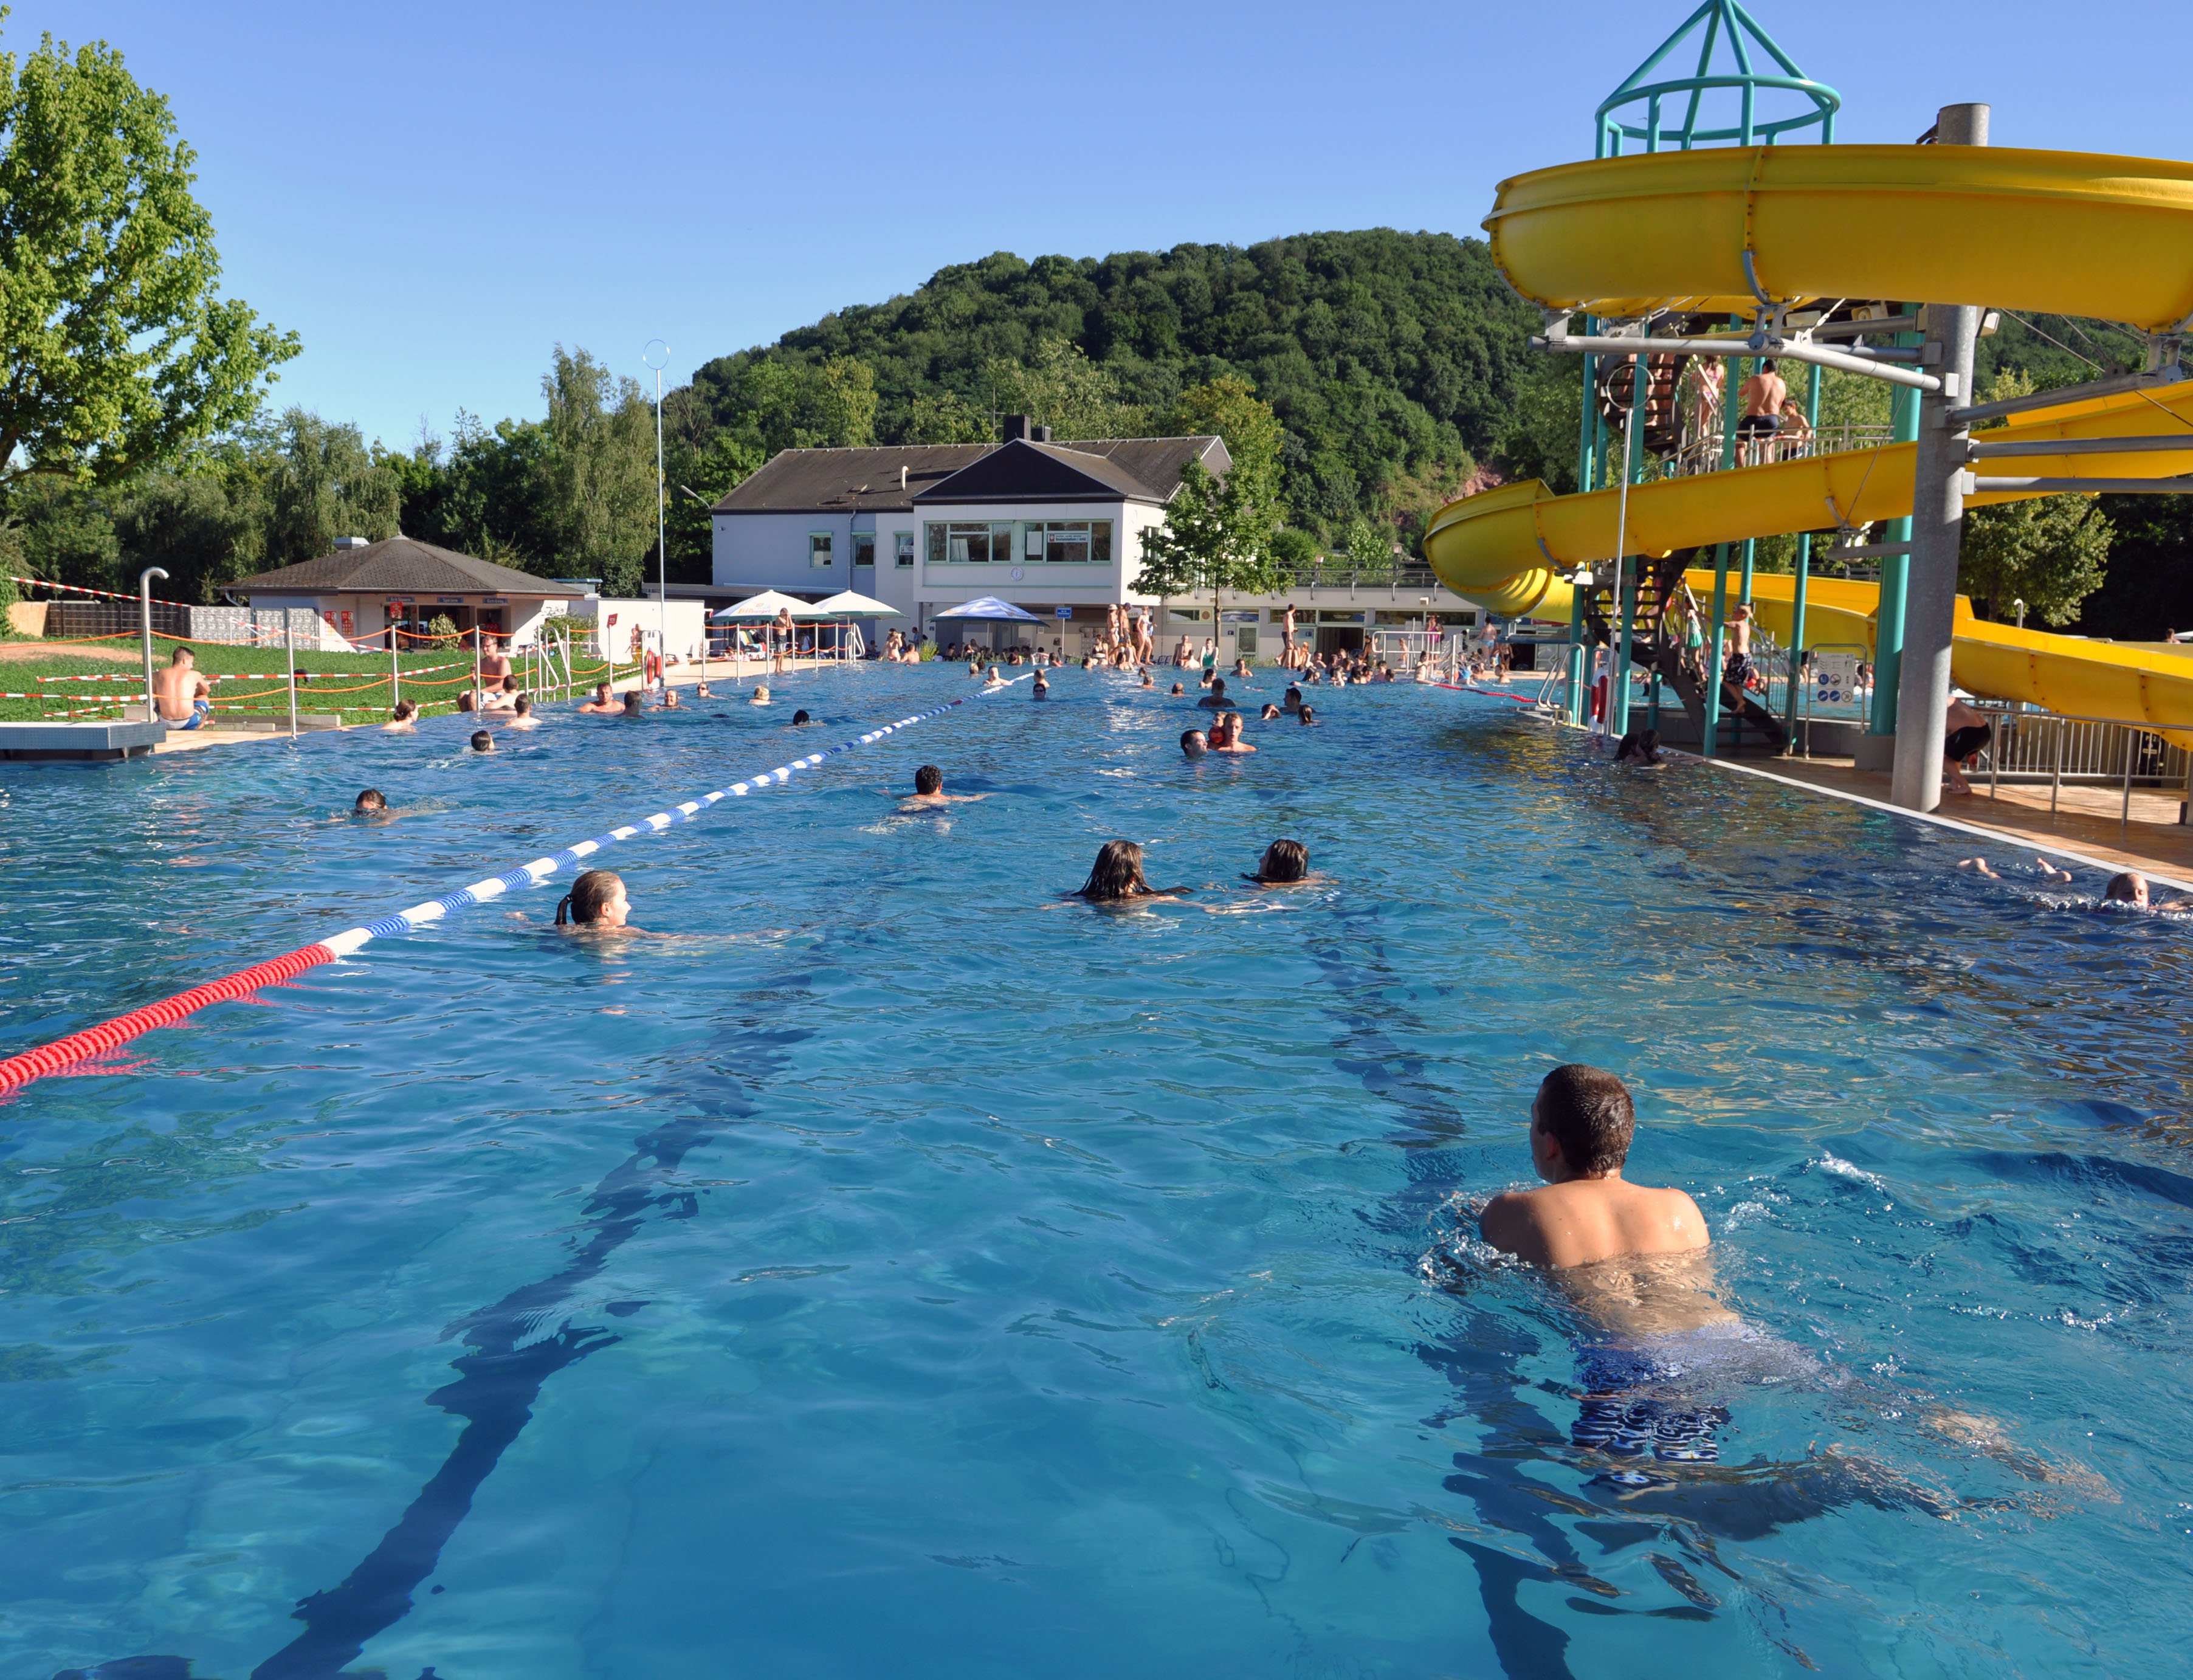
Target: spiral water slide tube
2052,232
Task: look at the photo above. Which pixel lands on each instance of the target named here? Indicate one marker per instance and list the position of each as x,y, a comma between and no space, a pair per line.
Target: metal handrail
2084,751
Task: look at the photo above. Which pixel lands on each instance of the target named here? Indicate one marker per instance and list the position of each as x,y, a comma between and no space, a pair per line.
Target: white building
1055,528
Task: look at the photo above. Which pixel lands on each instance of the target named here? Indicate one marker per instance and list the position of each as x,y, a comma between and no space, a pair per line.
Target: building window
966,543
864,549
818,548
1070,542
903,541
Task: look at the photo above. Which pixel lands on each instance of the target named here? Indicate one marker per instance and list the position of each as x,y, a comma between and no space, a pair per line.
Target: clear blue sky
435,195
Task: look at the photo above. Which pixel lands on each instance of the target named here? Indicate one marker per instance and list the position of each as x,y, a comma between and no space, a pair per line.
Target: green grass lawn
354,685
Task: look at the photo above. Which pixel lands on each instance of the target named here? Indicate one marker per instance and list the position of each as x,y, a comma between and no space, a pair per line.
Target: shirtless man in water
1582,1121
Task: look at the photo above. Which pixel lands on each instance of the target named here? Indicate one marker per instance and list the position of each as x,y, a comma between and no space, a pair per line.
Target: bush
441,625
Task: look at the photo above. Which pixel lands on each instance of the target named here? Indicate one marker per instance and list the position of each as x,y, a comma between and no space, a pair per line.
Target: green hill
1390,359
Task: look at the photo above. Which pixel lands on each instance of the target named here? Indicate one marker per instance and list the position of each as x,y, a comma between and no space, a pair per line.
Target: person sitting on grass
483,742
1285,863
1117,878
403,721
596,904
604,702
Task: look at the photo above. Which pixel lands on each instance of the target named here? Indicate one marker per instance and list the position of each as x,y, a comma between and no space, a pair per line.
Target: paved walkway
2086,819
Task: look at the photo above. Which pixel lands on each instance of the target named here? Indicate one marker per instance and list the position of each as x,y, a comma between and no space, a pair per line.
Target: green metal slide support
1895,569
1804,575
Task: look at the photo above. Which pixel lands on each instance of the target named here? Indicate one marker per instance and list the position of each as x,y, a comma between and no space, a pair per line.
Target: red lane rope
110,1035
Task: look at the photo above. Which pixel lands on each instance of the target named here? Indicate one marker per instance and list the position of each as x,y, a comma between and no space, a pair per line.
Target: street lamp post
657,356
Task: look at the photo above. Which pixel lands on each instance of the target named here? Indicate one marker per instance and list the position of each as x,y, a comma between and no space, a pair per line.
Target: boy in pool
929,790
1633,1259
483,742
1582,1121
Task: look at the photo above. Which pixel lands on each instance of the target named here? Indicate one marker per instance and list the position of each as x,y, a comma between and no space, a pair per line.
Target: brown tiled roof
867,480
399,565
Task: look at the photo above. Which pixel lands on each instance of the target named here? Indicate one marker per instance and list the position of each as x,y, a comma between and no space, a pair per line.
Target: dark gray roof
398,565
848,480
867,480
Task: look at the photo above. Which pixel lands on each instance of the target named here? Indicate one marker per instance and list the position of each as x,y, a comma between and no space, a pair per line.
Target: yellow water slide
2061,232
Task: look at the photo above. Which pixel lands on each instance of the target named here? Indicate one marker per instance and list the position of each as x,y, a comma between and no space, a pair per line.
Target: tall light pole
657,356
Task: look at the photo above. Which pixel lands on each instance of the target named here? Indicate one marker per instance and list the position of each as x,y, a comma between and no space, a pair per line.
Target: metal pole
1625,597
1804,576
1711,733
2124,817
1937,523
1994,753
1576,653
1895,569
289,643
662,530
2056,782
395,673
145,623
476,665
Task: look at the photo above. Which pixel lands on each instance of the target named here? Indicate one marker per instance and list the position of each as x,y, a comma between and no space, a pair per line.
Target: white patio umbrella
850,603
766,604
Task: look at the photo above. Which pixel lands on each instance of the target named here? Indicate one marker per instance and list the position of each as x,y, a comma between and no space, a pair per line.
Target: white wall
687,623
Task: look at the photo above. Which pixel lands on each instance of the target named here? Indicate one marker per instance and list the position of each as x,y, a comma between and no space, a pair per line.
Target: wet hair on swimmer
2124,889
371,800
404,711
1283,860
589,897
929,779
1117,874
1588,1113
801,716
483,742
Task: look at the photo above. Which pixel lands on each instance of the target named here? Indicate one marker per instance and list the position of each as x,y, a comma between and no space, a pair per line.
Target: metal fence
2031,748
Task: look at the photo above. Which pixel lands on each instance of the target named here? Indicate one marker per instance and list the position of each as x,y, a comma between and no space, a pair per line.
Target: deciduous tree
120,353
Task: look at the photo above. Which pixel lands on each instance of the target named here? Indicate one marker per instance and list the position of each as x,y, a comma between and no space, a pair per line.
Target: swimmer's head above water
483,742
597,899
2128,888
1283,860
928,780
371,800
1194,744
1116,876
800,717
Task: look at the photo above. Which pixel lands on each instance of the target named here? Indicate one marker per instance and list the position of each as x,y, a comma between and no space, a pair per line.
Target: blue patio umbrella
989,607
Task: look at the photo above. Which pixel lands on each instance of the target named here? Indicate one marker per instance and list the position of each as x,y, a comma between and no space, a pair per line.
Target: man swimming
604,702
521,714
1192,743
1294,701
483,742
1632,1258
1216,699
929,790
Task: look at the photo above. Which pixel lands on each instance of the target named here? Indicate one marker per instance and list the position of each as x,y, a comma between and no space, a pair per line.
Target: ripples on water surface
893,1275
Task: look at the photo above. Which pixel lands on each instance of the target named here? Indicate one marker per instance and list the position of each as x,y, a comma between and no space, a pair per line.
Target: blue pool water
898,1274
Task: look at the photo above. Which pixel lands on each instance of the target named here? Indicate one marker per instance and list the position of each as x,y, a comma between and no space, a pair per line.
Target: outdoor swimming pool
895,1275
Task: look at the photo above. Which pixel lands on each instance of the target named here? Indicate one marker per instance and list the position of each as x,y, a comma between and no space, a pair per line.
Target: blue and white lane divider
21,1069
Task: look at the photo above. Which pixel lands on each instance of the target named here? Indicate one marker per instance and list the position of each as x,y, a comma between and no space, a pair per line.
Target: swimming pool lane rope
63,1053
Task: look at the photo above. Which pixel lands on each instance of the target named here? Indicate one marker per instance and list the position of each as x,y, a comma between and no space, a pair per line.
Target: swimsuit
200,711
1964,742
1758,426
1616,1415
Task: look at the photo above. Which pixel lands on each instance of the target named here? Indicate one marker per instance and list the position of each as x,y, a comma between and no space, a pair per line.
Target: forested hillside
1388,358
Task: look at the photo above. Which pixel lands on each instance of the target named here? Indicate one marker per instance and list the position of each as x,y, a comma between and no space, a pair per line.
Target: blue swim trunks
1616,1415
200,711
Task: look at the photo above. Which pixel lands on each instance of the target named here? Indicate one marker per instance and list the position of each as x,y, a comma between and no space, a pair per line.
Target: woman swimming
1285,863
595,902
1117,877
